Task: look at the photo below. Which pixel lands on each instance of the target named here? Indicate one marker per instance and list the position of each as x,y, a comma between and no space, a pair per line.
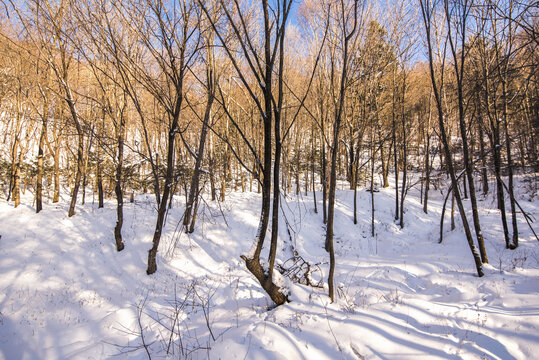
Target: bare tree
210,87
44,89
346,30
428,10
458,13
170,39
263,57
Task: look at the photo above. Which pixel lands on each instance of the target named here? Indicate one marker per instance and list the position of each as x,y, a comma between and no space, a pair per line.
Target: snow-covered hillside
65,293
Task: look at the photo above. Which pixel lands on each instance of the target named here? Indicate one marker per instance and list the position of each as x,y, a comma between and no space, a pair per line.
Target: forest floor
65,293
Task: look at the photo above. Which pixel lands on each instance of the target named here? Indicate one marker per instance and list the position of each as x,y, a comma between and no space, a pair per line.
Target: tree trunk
212,171
16,155
80,135
118,182
427,173
99,180
80,165
510,186
484,176
40,155
404,155
395,155
194,188
17,179
85,168
385,165
313,144
56,171
152,253
98,166
372,184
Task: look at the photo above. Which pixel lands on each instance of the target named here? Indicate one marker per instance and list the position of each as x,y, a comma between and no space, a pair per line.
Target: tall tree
347,18
209,84
457,15
428,10
260,63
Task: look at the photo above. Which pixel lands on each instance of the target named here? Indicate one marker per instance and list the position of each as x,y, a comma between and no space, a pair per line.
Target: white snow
65,293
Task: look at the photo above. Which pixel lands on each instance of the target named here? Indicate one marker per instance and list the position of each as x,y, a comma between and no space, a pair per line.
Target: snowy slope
65,293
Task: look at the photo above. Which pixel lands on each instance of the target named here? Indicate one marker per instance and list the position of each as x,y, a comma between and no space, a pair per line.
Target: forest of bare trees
195,98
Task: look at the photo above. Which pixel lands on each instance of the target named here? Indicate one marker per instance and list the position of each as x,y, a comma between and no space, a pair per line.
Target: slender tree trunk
331,204
212,171
324,181
427,173
16,155
465,187
356,173
118,181
510,186
85,170
195,210
17,179
372,184
152,253
40,155
99,167
494,138
78,176
276,198
484,175
395,152
297,161
39,180
99,181
313,145
385,164
80,136
306,180
452,211
356,168
56,171
194,188
404,154
350,159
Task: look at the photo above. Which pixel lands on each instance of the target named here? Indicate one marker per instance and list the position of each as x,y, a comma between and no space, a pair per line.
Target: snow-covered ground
65,293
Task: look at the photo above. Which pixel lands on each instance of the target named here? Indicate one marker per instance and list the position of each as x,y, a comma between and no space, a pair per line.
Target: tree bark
40,151
404,153
120,128
395,152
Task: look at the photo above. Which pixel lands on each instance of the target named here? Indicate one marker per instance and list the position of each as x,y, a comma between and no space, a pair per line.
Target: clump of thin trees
193,97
